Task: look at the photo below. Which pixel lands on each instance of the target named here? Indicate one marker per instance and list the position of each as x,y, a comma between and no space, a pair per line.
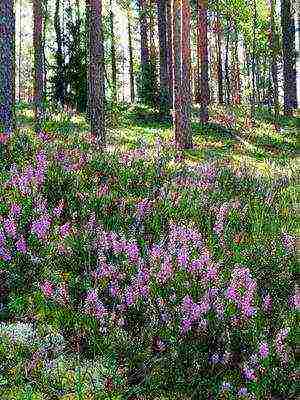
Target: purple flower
242,391
183,257
5,254
10,227
58,210
64,230
15,210
132,252
249,374
186,325
41,226
289,242
21,245
2,237
47,288
92,296
263,350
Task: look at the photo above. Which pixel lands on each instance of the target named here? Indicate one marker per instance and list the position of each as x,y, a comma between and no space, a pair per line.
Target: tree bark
60,84
113,55
253,102
219,60
20,49
163,69
7,62
289,58
39,67
202,47
176,25
169,52
186,95
96,72
274,50
236,70
130,50
227,64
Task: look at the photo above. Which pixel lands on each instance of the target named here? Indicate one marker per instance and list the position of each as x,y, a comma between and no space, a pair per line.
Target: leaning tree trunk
96,72
289,58
186,95
39,67
60,84
131,73
164,94
7,62
113,55
202,48
169,52
176,21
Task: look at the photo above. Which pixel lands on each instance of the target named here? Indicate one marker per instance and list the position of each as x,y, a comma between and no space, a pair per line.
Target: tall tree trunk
219,60
274,51
169,52
20,49
130,50
176,25
144,35
236,71
87,47
60,82
113,55
39,66
289,57
186,95
202,47
7,62
227,63
96,72
253,102
164,94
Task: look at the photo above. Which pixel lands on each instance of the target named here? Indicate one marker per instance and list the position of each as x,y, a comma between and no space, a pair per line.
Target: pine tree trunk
202,46
96,72
20,49
60,90
186,95
219,58
144,35
176,25
169,52
274,50
7,61
236,73
113,55
130,50
164,94
289,57
254,101
39,66
227,64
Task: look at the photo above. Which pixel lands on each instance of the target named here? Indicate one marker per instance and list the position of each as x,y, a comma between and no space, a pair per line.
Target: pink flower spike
64,230
47,288
263,350
21,245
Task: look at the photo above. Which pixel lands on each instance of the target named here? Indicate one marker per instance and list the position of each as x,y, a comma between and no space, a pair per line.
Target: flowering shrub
185,259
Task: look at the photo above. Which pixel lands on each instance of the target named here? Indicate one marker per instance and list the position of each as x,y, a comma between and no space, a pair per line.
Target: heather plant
174,271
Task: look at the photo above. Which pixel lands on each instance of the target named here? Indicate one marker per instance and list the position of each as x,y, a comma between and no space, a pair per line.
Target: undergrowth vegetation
142,270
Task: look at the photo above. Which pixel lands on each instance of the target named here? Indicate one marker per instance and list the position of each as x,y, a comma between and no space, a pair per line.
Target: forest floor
237,186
